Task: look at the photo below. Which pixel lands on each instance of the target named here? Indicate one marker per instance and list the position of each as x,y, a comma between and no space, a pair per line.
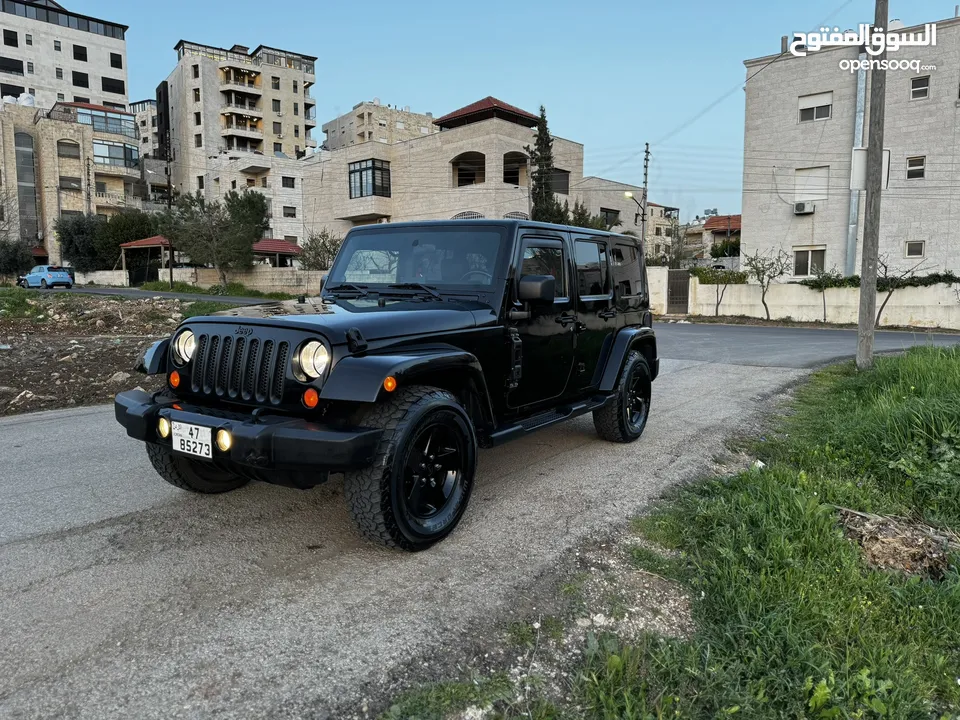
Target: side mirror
537,289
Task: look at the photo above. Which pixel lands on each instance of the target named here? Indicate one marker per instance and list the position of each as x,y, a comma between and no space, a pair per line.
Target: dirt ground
61,350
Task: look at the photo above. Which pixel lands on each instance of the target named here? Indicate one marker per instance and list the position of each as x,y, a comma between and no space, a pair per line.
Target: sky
612,75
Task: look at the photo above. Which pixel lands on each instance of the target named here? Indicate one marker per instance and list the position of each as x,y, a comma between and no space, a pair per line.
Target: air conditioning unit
280,136
279,114
804,208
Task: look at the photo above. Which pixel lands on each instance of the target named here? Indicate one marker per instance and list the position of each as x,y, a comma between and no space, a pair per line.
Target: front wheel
193,475
417,488
623,419
43,284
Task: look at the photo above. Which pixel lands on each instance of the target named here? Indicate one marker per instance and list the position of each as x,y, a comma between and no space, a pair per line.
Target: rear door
629,285
547,335
596,314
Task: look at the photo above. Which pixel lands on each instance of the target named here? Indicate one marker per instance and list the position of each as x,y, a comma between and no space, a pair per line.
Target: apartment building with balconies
57,55
372,121
146,112
218,101
76,158
474,165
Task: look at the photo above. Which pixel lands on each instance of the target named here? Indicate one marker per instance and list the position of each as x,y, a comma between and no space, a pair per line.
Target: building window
79,99
196,72
117,154
424,131
288,182
100,187
278,147
199,182
276,106
29,68
56,45
59,97
658,231
289,211
808,261
116,61
369,177
469,168
296,131
401,125
198,140
10,38
197,118
144,140
291,239
811,184
275,83
32,91
28,38
59,73
196,94
920,88
916,167
69,183
110,85
68,149
915,248
816,107
296,86
611,218
561,181
80,79
26,186
277,128
296,108
80,53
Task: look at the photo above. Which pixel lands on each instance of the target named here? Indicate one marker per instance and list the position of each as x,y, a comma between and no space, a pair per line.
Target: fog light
163,427
224,440
174,379
311,398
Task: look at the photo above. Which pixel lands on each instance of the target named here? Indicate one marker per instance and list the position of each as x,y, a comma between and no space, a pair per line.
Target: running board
547,418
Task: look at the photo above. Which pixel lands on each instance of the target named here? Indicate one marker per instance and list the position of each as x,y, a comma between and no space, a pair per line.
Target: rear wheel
68,286
417,488
193,475
623,419
43,284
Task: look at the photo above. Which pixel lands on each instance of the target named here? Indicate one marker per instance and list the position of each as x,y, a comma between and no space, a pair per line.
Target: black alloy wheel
638,398
433,470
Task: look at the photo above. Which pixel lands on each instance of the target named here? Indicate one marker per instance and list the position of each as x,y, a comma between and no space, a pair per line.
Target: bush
319,250
725,248
883,284
713,276
15,257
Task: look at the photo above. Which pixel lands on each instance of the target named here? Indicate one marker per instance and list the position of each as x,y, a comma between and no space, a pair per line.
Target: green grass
231,289
443,700
790,620
13,304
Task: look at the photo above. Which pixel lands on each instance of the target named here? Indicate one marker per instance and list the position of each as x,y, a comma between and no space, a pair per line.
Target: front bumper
266,442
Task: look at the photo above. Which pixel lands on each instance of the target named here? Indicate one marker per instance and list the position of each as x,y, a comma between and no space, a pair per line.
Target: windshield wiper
429,289
348,287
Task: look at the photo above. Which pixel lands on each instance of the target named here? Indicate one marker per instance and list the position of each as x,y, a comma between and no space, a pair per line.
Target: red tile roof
155,241
90,106
720,223
272,246
488,104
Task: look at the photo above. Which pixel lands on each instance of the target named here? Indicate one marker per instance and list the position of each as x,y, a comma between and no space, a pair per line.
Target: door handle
565,319
607,314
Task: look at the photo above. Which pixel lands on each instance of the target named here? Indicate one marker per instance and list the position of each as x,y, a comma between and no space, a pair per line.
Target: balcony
371,207
238,109
116,167
244,63
251,161
238,86
244,131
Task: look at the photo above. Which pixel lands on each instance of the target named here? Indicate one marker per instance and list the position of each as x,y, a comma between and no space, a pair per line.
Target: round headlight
313,359
184,346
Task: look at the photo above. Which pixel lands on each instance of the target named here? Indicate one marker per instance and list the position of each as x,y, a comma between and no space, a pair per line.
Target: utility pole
643,210
871,225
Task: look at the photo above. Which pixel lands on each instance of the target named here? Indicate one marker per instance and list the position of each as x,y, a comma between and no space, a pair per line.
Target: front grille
241,368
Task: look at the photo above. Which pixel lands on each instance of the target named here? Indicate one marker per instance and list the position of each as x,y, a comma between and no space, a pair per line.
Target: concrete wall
117,278
261,277
657,281
937,306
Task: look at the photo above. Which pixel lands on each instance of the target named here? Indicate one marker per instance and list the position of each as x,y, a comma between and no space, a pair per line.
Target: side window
627,275
539,260
591,268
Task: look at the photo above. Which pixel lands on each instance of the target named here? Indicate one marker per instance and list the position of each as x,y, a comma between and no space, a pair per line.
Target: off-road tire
369,491
611,420
193,475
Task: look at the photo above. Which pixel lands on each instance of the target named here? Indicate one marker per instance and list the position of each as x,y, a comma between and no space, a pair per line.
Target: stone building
475,165
802,115
74,158
372,121
662,222
220,101
56,55
146,112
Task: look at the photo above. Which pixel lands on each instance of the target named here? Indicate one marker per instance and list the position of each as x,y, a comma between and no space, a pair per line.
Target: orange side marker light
390,384
174,379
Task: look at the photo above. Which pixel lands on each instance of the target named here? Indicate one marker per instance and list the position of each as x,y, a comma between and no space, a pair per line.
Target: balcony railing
247,86
252,151
117,162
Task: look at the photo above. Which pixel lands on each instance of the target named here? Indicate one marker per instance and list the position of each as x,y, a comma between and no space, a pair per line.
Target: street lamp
639,215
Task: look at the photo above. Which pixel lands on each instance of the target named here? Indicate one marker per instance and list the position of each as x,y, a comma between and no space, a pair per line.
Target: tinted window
80,53
627,274
591,261
545,261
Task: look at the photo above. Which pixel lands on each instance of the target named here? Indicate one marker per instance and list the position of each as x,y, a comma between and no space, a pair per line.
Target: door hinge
581,368
516,358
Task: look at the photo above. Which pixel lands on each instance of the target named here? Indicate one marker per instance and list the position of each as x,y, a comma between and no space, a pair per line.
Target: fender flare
359,378
153,360
638,338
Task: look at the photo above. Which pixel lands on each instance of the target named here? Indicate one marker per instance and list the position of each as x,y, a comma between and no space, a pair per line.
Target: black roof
510,223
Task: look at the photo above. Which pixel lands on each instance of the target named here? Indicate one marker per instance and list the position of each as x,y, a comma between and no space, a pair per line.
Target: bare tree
319,249
823,279
720,279
765,268
889,282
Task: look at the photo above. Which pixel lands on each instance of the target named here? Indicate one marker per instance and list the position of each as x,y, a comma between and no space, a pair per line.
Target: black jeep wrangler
429,340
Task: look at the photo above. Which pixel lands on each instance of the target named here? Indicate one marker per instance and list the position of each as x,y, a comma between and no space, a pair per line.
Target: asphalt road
134,293
123,597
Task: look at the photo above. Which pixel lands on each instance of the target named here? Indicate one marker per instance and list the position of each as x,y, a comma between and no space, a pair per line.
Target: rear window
55,268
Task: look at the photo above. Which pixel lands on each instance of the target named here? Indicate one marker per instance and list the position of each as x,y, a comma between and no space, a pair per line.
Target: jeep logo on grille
241,330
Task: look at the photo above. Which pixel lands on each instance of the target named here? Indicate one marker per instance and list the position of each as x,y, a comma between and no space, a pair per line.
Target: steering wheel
486,275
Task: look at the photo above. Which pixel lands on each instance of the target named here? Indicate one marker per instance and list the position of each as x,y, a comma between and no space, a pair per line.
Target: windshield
439,257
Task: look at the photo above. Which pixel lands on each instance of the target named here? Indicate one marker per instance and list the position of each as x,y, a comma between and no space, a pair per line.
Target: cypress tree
544,205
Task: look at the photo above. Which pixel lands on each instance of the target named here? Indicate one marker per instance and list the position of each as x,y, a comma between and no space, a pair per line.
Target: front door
547,335
596,312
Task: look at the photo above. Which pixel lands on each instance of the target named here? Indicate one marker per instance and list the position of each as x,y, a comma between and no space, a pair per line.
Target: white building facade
802,115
